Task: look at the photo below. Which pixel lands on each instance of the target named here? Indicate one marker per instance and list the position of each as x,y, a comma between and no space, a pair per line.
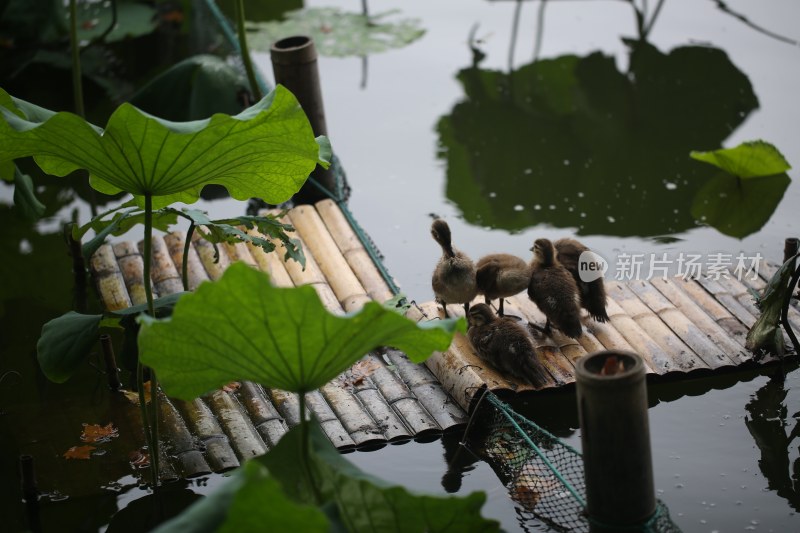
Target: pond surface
591,140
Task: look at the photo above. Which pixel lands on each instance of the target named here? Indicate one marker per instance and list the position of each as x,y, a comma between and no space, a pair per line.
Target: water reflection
768,421
575,142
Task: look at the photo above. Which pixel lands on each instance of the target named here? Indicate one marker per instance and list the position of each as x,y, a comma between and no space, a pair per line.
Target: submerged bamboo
201,421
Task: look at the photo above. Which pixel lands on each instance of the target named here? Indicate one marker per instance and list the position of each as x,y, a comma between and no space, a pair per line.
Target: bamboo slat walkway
678,326
384,398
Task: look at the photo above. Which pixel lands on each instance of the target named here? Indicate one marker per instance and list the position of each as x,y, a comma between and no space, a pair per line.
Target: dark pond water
513,122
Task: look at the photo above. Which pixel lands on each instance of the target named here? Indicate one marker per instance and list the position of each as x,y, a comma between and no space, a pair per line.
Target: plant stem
185,264
77,86
244,52
148,290
785,310
145,419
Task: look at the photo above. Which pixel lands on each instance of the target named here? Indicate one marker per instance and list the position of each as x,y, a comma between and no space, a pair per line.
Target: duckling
454,276
500,276
593,293
553,289
503,344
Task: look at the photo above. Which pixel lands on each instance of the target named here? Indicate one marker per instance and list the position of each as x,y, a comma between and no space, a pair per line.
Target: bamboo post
615,436
30,491
112,372
294,63
790,247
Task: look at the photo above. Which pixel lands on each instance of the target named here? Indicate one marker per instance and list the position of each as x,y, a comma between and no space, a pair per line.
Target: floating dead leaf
79,452
133,396
98,433
139,459
233,386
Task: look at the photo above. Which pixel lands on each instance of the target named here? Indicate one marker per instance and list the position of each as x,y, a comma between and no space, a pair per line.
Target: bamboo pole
287,405
682,356
731,343
331,262
357,421
714,308
447,413
728,300
109,280
262,413
353,251
402,399
195,272
272,262
166,278
180,442
201,422
132,268
745,297
239,252
387,420
330,423
700,341
205,251
654,356
244,438
312,275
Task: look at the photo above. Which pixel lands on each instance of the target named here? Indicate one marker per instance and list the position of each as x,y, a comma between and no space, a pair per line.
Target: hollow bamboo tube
355,419
329,422
166,278
401,398
701,342
615,437
266,419
244,439
30,489
201,421
287,405
205,251
353,251
444,409
654,356
180,442
110,284
728,300
731,343
132,268
681,355
196,274
790,247
331,262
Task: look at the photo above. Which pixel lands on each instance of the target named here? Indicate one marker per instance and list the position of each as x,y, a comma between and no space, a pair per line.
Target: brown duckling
454,276
553,289
593,293
503,344
500,276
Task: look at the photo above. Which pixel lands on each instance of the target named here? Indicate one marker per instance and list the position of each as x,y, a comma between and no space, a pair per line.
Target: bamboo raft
678,326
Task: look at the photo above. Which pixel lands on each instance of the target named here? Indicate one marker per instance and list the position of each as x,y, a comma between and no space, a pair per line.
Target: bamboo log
654,356
205,251
444,409
131,266
701,342
272,262
239,252
331,425
353,250
355,419
266,419
311,275
201,422
388,421
681,355
196,274
110,284
287,405
710,305
331,262
166,278
728,300
731,343
745,297
243,436
180,442
402,399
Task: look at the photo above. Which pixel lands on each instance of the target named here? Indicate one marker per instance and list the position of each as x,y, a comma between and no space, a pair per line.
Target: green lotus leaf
25,197
266,151
752,159
243,328
65,343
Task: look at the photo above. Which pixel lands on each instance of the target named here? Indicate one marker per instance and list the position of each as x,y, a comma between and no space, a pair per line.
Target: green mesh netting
543,475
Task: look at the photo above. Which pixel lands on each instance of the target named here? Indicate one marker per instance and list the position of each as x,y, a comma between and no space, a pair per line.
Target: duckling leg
466,308
500,308
444,308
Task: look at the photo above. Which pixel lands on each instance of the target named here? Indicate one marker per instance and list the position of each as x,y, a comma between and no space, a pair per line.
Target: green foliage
217,231
25,197
243,328
752,159
124,218
337,33
351,499
766,335
267,151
